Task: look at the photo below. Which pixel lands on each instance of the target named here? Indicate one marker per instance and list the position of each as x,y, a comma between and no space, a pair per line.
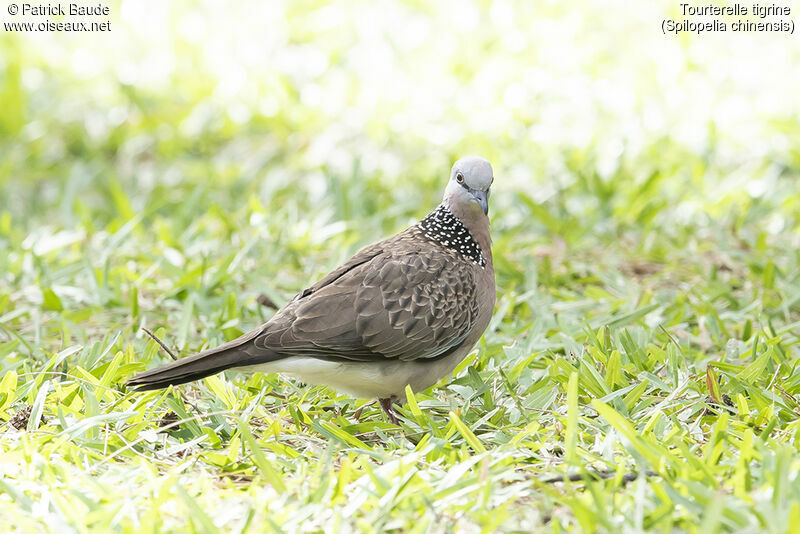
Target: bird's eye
460,178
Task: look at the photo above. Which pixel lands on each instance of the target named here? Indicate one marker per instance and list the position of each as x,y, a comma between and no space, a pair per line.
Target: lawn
640,371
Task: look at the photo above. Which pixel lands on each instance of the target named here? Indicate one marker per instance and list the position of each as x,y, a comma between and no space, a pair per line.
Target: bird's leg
388,407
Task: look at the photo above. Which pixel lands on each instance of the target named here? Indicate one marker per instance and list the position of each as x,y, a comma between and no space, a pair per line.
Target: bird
401,312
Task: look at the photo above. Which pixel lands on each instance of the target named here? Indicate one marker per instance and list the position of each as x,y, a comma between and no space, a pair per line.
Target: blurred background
328,126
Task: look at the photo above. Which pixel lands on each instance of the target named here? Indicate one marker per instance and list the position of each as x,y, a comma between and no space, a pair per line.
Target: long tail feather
239,352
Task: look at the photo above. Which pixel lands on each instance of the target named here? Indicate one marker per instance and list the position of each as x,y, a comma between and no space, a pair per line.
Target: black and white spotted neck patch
446,229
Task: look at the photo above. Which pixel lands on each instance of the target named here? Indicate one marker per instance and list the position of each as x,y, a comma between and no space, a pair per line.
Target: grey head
470,180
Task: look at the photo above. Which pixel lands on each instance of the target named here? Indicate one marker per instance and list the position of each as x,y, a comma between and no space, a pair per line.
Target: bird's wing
407,304
359,258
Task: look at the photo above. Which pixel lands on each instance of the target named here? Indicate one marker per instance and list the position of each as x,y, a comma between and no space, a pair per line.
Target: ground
195,167
627,339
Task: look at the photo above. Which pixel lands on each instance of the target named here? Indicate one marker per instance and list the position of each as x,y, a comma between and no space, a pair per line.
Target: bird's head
468,188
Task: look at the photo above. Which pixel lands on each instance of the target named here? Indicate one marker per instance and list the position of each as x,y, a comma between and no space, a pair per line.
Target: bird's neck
464,237
472,216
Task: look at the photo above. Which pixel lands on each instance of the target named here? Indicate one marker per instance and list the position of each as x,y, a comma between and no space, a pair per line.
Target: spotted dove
403,311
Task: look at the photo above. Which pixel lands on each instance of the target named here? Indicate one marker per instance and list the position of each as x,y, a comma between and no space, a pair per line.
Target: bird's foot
391,413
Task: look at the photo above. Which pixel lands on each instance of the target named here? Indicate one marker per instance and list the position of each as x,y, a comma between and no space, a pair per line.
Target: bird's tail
240,352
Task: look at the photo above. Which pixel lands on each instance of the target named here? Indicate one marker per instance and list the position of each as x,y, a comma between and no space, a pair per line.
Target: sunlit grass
645,226
618,345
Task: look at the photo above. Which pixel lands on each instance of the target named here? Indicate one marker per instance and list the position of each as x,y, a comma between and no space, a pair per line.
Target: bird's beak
482,198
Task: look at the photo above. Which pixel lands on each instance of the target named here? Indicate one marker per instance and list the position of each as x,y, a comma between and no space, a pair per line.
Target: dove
401,312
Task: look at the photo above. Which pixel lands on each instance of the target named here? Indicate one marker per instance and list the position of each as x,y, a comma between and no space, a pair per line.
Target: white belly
368,380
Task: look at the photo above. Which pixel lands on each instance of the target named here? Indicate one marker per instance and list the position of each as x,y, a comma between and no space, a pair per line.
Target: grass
645,225
624,341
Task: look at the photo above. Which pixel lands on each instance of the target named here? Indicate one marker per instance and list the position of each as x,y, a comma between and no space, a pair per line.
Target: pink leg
388,407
